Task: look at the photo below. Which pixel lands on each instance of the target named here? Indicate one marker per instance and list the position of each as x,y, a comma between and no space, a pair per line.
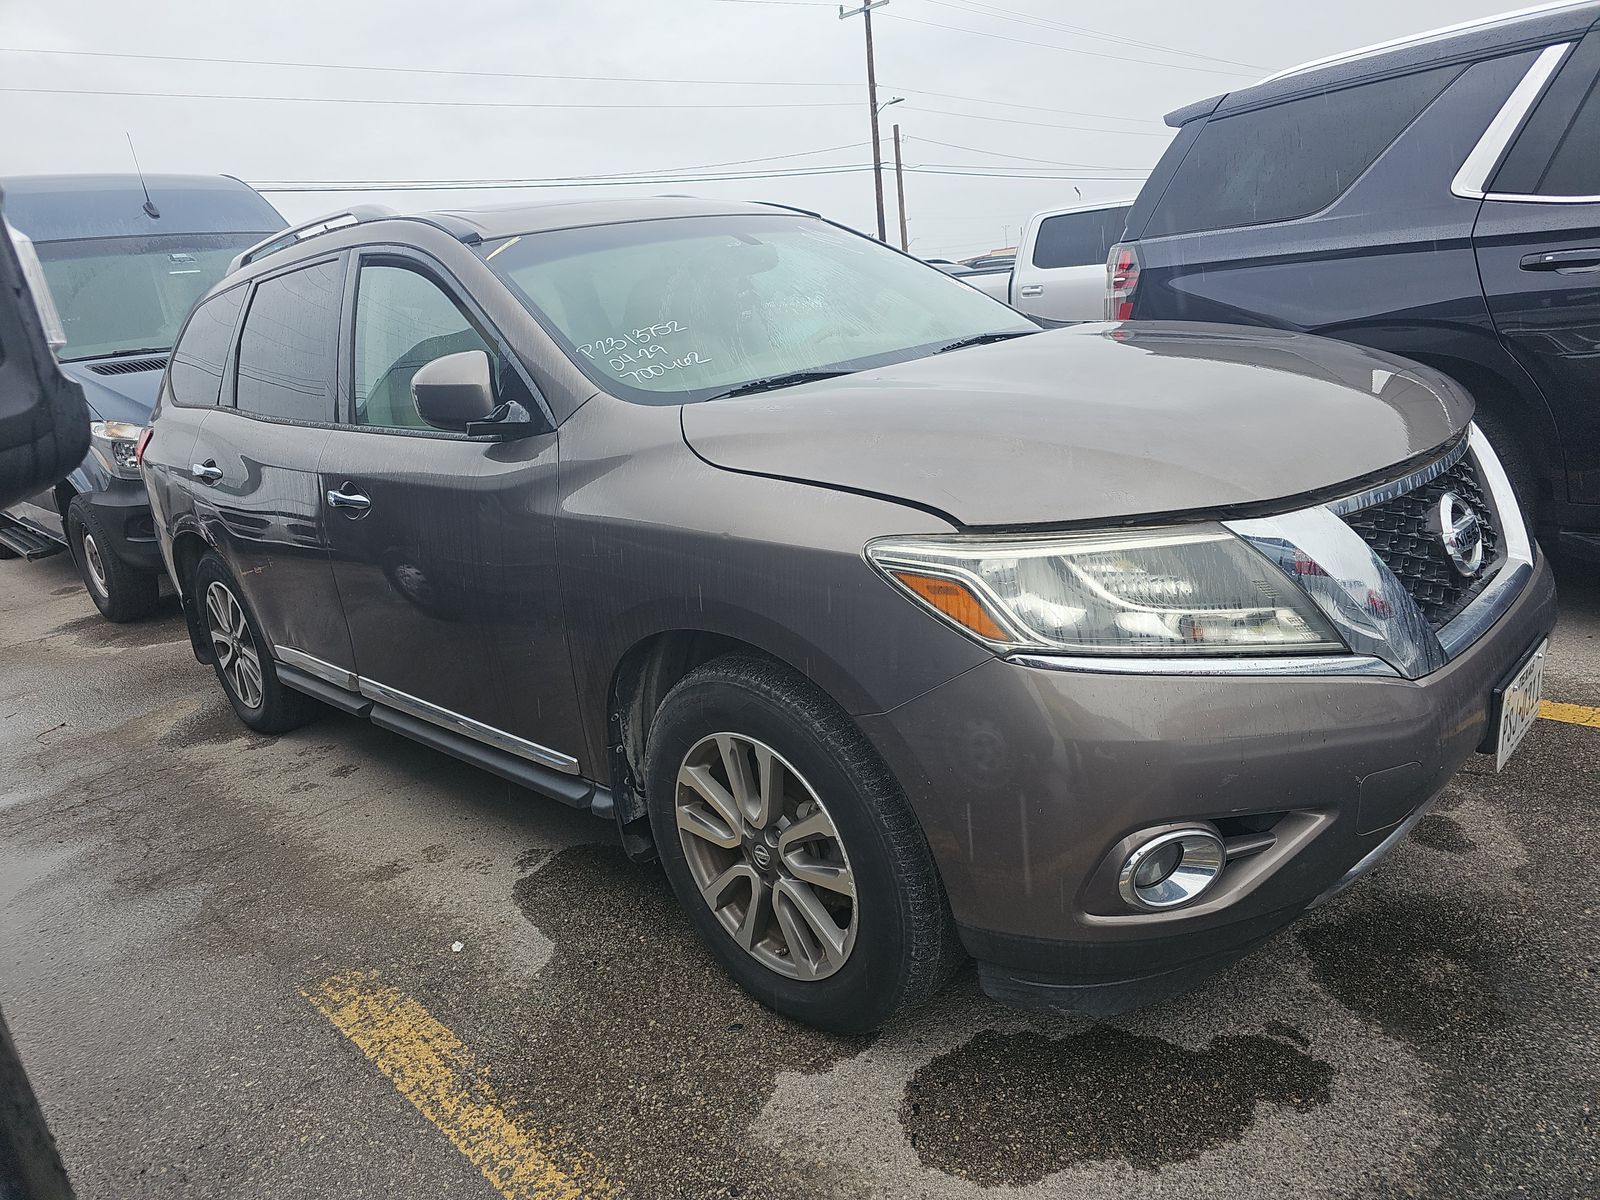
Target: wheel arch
188,547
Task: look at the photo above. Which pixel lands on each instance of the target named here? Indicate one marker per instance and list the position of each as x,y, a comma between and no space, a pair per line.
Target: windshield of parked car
130,294
692,308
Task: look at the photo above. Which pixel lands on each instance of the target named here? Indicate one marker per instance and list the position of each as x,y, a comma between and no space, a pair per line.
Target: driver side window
403,321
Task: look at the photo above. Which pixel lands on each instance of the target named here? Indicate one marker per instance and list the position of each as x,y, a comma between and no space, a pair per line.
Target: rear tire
240,654
838,817
121,593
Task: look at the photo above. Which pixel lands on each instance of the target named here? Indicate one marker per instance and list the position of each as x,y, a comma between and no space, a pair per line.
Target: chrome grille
1402,533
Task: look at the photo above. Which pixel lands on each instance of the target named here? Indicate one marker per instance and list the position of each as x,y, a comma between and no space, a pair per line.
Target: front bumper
123,506
1030,783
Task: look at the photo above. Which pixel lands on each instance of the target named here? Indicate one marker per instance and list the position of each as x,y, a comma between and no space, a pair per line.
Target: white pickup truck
1060,272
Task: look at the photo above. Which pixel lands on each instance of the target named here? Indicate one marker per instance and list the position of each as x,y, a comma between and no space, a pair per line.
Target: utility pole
900,188
865,13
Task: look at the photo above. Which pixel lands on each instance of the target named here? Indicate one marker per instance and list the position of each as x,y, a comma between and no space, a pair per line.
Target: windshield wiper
772,382
983,339
125,353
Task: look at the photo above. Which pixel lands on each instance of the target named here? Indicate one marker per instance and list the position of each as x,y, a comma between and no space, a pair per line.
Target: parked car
123,270
894,625
991,280
1061,263
1438,198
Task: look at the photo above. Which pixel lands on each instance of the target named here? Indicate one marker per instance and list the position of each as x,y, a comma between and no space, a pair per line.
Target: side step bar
24,542
572,790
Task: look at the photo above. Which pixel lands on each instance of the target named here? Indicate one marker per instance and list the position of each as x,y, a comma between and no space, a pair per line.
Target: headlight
1192,590
116,445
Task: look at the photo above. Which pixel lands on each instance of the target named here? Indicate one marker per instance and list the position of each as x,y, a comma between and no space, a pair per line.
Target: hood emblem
1460,531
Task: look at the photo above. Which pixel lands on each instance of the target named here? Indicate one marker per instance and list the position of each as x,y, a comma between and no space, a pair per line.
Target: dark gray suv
895,626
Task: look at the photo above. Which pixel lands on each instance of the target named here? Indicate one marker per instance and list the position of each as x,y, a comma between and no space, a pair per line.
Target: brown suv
896,626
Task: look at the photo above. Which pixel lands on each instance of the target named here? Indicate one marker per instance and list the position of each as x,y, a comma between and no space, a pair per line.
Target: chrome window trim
432,713
477,730
1473,177
1300,664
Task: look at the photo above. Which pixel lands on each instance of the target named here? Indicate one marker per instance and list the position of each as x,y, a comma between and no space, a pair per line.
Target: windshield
118,295
693,307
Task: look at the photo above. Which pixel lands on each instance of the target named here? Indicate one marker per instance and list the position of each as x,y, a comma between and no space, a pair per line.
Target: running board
24,542
572,790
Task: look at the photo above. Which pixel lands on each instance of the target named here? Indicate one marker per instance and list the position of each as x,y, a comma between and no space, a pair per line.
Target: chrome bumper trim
1376,855
1286,664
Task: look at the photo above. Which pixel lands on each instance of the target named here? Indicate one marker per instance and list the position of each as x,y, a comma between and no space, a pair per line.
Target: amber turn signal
955,601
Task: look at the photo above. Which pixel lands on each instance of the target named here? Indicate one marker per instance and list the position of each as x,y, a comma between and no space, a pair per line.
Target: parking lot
337,963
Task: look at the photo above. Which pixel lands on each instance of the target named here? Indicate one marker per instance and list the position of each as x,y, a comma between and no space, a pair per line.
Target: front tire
240,654
793,850
121,593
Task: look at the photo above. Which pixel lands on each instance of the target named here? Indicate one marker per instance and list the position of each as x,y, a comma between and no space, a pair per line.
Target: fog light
1173,869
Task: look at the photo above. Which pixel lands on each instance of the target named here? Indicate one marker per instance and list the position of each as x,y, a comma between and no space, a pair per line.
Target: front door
1538,244
443,546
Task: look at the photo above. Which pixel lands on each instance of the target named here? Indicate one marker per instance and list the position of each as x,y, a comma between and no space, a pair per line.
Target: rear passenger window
196,374
290,340
1293,159
1078,239
403,321
1558,152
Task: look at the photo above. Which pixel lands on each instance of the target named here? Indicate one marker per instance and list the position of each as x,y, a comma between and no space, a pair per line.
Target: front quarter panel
653,540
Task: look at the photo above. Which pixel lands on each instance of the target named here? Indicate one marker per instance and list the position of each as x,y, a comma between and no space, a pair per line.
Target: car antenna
149,205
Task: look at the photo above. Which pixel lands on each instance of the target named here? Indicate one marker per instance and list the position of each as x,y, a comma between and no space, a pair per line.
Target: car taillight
144,440
1122,280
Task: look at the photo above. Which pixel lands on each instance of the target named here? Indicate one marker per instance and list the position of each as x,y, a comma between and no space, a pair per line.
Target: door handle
1561,260
1032,289
206,472
346,497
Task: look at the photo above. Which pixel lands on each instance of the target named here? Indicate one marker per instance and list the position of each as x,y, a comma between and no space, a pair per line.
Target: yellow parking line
438,1074
1572,714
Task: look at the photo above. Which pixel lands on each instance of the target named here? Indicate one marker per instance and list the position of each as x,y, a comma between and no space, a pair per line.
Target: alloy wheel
765,856
94,565
233,644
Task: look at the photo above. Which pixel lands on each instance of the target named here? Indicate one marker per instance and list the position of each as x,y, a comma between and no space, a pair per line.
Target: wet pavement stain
94,632
1443,833
1011,1108
634,1039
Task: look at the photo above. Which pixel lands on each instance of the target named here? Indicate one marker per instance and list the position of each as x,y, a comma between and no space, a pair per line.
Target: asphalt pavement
335,963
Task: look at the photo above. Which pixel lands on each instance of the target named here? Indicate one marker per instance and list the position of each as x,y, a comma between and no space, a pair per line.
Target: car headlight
1197,589
116,445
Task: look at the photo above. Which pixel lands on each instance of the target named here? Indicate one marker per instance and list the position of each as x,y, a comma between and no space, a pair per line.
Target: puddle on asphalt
1443,832
1010,1108
635,1040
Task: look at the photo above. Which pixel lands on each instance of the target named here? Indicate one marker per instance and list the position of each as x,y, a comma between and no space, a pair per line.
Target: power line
1065,112
1065,49
1050,162
994,12
944,112
414,103
438,71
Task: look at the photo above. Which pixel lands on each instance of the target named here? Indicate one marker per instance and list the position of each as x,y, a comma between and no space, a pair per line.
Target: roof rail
282,240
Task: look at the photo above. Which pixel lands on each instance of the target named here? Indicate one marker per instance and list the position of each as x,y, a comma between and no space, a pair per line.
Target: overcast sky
1070,101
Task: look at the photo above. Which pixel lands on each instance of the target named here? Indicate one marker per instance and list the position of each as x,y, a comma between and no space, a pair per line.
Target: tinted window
1292,159
287,351
196,375
403,321
1079,239
1558,152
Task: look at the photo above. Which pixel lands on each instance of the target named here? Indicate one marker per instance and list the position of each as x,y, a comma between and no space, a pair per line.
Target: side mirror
454,391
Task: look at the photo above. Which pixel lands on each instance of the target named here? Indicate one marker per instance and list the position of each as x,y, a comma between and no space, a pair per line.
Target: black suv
1438,198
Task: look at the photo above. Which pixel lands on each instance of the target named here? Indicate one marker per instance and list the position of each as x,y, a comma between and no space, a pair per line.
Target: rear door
1538,246
1061,272
444,546
254,465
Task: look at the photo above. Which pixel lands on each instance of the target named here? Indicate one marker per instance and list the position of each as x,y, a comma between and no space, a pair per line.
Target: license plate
1519,706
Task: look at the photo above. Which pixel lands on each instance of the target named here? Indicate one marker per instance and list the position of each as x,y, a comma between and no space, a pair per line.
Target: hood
125,396
1096,422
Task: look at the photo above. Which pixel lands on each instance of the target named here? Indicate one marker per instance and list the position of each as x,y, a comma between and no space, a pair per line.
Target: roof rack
283,239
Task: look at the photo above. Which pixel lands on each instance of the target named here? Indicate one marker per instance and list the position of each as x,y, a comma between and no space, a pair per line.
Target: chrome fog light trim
1172,869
